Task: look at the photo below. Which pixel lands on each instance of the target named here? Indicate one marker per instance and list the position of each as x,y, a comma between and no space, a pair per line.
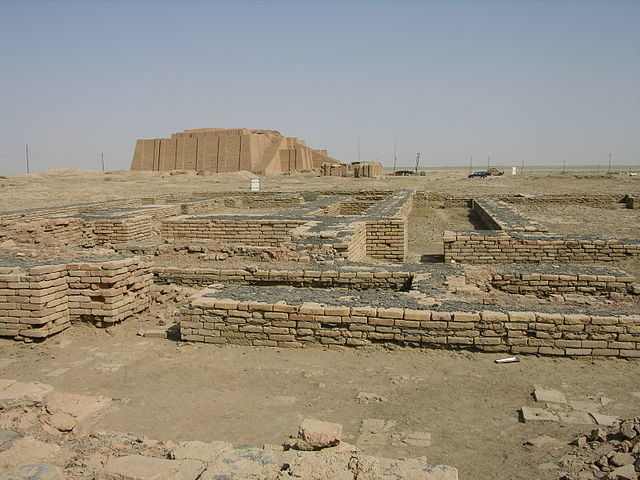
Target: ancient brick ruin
345,251
221,150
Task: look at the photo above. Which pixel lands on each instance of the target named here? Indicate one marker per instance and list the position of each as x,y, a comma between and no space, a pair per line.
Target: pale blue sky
539,81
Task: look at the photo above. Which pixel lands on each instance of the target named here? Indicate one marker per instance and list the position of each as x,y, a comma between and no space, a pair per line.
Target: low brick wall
248,200
247,231
498,215
355,206
33,301
108,292
515,247
543,284
387,240
41,300
68,231
122,229
599,200
226,321
357,247
355,280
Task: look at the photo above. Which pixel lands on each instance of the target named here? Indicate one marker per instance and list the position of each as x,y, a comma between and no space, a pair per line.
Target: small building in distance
222,150
355,169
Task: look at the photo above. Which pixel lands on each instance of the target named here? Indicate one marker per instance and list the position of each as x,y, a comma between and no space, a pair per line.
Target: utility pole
488,162
27,155
564,166
102,160
522,168
395,153
609,164
417,162
358,148
471,164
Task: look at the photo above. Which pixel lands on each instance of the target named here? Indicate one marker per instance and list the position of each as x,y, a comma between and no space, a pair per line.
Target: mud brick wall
500,247
33,301
39,301
336,170
498,215
260,232
604,200
122,229
456,202
108,292
367,170
546,284
67,231
355,280
357,248
387,240
354,206
221,321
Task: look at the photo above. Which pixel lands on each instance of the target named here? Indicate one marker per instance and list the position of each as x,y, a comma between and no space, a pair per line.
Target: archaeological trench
293,270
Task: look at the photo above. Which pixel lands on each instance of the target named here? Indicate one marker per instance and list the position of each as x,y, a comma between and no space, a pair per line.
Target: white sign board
514,170
255,184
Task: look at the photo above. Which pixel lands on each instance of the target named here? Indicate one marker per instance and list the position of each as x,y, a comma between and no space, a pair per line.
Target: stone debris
575,418
205,452
316,434
532,414
612,454
26,450
138,467
36,471
549,396
67,410
605,420
14,394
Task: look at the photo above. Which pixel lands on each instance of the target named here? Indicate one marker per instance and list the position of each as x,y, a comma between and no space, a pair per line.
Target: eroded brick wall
261,232
387,240
39,301
500,247
226,321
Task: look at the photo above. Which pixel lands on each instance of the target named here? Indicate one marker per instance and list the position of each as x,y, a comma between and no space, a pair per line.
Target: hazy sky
539,81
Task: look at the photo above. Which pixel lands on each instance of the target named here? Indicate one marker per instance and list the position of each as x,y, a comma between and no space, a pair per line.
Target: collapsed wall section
68,231
38,301
33,301
122,229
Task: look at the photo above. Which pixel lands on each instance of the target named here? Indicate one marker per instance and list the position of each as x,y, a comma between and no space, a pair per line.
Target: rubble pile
612,454
50,435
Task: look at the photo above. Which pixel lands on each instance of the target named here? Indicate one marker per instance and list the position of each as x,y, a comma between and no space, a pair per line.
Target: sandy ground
252,396
59,187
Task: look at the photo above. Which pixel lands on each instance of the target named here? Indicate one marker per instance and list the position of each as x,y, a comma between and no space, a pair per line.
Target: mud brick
364,311
417,315
394,313
311,308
